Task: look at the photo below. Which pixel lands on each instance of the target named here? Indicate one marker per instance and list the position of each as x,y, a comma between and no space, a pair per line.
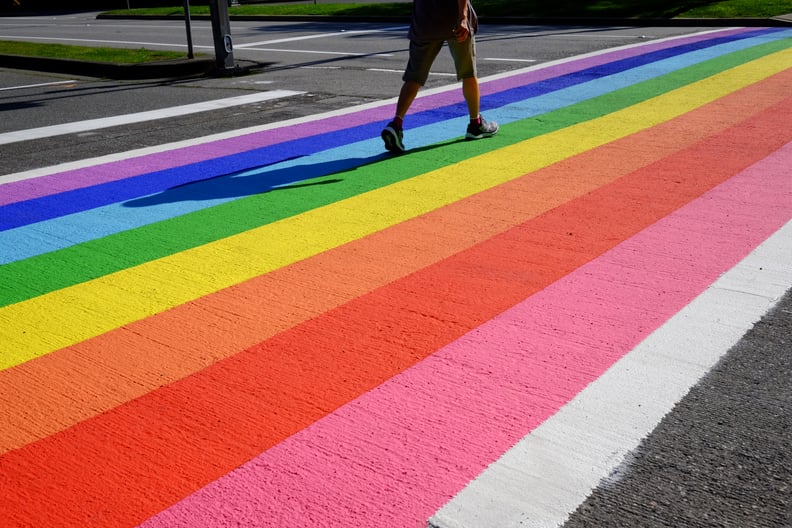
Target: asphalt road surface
720,457
330,65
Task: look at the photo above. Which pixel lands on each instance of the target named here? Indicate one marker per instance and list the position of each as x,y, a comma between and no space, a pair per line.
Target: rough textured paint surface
336,337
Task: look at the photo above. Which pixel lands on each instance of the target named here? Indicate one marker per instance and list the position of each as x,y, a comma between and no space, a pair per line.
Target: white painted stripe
200,24
255,46
99,160
497,59
544,478
96,124
39,85
14,20
195,24
400,72
96,41
317,36
605,37
320,52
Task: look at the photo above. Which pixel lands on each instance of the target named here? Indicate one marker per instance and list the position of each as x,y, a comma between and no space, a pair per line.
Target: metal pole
221,32
190,54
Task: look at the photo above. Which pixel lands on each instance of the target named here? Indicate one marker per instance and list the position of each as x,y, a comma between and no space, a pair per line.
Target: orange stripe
46,395
183,436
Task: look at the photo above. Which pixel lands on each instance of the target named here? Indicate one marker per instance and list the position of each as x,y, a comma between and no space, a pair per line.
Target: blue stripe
73,201
56,234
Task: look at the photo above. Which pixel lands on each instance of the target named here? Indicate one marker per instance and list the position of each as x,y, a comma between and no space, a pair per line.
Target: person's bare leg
408,93
392,134
479,127
470,90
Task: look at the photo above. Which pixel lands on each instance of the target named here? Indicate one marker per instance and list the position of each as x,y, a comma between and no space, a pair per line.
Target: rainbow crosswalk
288,327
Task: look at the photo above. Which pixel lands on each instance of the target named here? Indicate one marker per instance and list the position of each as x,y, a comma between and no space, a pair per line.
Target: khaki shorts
423,55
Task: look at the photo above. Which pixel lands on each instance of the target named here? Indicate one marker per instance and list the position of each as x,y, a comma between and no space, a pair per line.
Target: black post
190,54
221,31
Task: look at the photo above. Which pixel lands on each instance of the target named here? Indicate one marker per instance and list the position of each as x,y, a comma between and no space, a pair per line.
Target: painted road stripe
190,274
140,117
497,59
352,465
93,171
342,33
318,366
539,482
198,231
93,223
39,85
31,38
322,52
21,389
543,306
544,98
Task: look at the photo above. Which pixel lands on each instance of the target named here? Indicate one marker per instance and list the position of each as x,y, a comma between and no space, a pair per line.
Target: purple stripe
117,170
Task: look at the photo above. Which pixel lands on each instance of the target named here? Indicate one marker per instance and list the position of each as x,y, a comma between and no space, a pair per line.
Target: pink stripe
397,454
94,175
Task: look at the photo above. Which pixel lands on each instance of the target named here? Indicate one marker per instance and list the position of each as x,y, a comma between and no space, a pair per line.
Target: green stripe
86,261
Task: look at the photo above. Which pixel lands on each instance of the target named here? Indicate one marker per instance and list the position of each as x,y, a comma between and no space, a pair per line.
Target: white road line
96,41
247,47
196,24
318,36
96,124
146,151
554,469
507,60
400,72
252,46
22,87
318,52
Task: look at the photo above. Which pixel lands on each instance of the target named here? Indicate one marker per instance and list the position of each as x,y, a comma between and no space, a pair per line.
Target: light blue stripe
62,232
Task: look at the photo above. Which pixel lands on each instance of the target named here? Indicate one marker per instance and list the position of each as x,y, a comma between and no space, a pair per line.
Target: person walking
434,23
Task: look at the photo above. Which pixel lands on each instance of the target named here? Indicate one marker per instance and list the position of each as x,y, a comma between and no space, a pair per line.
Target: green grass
514,8
60,51
95,258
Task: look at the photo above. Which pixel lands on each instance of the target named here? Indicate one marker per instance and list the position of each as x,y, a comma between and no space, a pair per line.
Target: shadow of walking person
255,181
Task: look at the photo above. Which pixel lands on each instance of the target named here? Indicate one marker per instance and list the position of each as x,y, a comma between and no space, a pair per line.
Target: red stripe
126,465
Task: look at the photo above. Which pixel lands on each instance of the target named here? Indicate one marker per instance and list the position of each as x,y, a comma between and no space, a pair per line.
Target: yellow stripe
64,317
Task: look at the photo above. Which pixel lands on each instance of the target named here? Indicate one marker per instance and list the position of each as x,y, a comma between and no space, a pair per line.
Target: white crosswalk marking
126,119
